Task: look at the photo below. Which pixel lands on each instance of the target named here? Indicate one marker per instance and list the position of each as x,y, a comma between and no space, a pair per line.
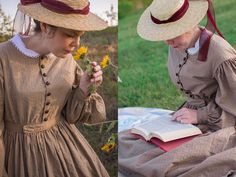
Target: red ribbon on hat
183,9
210,16
58,6
176,16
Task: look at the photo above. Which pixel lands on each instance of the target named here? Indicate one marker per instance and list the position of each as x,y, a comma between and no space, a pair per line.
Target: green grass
142,64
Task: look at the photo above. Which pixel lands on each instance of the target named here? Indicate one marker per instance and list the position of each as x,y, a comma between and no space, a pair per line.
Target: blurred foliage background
101,43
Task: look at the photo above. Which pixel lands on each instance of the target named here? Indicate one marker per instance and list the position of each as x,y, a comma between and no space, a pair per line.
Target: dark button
177,74
180,65
47,83
185,58
46,111
48,103
42,66
205,97
48,94
45,119
44,75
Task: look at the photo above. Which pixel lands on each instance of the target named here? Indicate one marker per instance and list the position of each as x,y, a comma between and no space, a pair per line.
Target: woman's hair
37,27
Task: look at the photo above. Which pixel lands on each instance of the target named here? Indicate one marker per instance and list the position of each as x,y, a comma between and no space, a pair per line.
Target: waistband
31,128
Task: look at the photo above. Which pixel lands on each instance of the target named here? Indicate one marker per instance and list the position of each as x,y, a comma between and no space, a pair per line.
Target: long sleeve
221,112
83,109
2,150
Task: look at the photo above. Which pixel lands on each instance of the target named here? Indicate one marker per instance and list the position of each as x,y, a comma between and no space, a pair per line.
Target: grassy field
142,64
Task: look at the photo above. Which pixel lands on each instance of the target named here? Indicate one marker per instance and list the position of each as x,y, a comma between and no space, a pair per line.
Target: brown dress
211,89
39,103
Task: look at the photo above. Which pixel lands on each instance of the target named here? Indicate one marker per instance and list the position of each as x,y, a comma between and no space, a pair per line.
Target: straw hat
167,19
70,14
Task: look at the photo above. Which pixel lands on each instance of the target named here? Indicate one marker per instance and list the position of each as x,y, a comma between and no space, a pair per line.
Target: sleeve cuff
80,94
202,115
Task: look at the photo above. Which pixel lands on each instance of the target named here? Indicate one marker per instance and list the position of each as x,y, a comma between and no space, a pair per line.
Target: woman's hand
95,78
185,116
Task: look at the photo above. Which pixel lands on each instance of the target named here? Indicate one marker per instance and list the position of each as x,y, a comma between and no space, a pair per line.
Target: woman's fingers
185,121
96,80
177,115
94,63
97,74
96,68
179,118
185,115
97,77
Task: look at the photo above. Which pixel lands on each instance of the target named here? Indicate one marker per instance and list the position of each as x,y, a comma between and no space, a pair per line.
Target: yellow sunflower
80,53
105,61
108,146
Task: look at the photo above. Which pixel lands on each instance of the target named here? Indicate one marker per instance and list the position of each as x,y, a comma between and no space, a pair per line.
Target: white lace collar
19,44
195,49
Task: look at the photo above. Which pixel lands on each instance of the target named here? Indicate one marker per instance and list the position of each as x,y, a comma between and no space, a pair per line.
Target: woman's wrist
84,91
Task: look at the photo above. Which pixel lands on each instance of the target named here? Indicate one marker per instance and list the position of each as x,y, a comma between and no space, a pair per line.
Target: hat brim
89,22
148,30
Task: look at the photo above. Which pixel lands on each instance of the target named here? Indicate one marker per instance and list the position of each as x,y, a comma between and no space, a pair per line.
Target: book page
166,129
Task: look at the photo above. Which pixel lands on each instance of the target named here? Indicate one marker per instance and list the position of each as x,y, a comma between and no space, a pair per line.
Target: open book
165,129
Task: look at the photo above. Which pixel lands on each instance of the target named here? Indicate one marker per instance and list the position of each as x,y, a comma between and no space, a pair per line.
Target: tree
5,26
111,14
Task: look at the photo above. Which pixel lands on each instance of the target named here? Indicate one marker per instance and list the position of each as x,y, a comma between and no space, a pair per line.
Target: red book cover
167,146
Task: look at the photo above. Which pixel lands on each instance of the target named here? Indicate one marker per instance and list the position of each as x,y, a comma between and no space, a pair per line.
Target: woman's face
181,42
63,41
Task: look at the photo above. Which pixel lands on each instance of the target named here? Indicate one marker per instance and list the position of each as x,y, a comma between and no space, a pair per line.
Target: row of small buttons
188,92
48,94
